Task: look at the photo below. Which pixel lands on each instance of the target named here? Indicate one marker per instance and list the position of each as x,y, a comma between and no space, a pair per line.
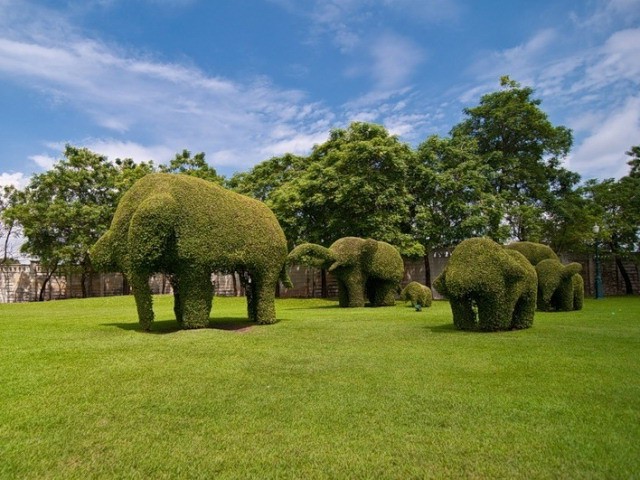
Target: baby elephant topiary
188,228
499,283
417,294
363,267
560,287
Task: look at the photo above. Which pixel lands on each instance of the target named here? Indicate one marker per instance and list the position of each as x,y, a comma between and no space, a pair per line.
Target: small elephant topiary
364,268
417,294
534,252
559,285
489,287
188,228
554,289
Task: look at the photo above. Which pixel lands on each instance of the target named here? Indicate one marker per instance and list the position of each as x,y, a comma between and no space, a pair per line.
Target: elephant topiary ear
571,269
311,254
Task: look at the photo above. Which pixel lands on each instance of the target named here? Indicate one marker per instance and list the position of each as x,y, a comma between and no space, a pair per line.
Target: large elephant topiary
559,285
364,268
187,227
417,294
498,283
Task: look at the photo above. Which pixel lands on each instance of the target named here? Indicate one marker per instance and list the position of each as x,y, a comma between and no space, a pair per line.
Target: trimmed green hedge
188,228
364,268
417,294
489,287
557,287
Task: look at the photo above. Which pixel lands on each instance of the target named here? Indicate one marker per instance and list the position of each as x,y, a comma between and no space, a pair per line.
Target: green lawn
325,393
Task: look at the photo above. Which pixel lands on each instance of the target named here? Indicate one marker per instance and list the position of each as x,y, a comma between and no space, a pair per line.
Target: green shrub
556,287
534,252
364,268
489,287
417,294
188,228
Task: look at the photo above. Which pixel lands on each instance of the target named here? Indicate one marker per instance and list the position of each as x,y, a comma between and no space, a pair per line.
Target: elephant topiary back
534,252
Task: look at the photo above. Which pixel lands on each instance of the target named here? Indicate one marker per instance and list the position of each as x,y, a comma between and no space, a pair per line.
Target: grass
324,393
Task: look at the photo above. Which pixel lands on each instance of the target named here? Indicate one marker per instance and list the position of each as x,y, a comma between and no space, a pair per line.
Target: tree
65,210
453,199
518,142
269,182
355,184
616,208
195,166
9,227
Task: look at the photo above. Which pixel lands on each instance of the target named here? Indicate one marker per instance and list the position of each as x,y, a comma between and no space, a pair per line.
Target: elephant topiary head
557,286
364,268
489,287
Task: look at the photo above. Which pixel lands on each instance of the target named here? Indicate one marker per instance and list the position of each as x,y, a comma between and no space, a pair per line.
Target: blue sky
245,80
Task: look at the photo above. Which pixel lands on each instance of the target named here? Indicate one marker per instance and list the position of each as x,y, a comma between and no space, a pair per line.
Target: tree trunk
324,290
625,276
427,271
46,280
6,245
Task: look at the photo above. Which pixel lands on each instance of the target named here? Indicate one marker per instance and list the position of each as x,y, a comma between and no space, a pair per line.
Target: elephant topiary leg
352,293
464,316
142,295
262,301
177,304
524,311
494,313
196,298
383,294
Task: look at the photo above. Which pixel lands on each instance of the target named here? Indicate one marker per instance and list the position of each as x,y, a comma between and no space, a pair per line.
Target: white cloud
113,149
171,106
602,152
45,162
395,60
17,179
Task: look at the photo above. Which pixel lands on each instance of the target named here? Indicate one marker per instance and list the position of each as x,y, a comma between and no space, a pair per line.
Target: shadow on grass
445,328
160,327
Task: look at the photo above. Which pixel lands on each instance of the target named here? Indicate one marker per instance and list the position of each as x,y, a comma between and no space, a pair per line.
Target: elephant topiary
417,294
364,268
187,227
498,283
534,252
557,288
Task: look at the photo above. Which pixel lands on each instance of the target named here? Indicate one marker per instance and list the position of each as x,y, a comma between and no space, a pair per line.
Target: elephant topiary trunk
188,228
365,269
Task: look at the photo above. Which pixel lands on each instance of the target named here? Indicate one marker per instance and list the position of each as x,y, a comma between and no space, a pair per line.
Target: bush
187,227
417,294
489,287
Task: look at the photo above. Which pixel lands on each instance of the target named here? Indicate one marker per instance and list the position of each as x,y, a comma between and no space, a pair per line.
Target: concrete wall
22,283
